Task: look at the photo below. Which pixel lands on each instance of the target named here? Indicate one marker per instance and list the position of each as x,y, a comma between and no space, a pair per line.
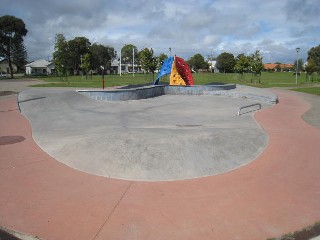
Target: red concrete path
277,193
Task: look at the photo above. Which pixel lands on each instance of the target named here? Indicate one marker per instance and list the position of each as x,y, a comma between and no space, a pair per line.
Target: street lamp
120,66
297,49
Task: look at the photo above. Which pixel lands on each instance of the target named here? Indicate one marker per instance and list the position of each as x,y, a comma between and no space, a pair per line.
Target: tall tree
12,31
85,64
148,60
19,52
60,55
225,62
127,52
197,62
242,63
101,56
256,65
78,47
314,54
311,68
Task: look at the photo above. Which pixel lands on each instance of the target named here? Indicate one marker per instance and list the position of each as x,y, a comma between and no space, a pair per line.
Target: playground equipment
179,70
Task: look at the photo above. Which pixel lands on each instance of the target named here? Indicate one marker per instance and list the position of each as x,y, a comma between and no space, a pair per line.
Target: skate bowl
164,138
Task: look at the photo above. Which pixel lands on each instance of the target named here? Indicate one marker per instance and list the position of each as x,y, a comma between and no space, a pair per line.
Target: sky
188,27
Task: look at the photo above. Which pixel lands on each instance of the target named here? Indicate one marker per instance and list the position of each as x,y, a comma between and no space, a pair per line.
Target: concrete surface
17,85
273,195
157,139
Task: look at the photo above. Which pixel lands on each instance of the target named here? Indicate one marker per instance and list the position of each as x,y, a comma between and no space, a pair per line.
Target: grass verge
311,90
304,234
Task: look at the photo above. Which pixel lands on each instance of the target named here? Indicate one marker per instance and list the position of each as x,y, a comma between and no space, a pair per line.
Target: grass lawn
311,90
275,79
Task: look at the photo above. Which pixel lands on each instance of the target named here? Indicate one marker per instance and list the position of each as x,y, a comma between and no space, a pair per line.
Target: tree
242,63
225,62
197,62
127,54
12,31
19,51
256,65
161,58
60,55
148,60
85,63
79,46
314,54
101,55
311,67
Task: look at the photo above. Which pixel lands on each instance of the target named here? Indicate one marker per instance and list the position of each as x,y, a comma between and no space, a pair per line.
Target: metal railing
247,106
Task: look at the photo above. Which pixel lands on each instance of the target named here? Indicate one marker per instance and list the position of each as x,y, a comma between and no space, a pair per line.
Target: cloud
186,26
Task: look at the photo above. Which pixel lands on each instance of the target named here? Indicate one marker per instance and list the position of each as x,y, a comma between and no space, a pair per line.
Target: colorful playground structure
180,73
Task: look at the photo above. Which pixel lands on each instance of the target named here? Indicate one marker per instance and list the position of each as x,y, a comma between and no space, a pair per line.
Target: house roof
274,65
39,63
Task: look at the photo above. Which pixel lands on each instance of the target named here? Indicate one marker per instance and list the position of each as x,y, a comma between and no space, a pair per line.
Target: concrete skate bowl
164,138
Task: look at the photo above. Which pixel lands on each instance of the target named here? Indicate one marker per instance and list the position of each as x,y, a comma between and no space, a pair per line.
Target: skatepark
169,167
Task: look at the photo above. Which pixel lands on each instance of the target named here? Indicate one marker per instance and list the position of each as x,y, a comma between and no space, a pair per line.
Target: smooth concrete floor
158,139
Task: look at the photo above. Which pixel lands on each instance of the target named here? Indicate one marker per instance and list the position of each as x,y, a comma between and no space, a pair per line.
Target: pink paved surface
277,193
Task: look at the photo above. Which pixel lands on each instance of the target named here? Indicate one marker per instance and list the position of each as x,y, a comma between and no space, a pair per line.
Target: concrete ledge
152,91
228,90
196,89
125,94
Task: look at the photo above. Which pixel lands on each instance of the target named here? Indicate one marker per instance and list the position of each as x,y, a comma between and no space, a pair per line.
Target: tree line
78,54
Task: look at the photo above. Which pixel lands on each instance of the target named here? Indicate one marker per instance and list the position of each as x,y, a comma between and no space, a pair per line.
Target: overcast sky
208,27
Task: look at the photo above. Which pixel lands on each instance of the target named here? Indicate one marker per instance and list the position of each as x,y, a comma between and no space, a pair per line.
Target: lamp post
120,62
133,62
297,49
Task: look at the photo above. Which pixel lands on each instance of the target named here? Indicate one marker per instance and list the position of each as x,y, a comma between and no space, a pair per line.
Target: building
212,66
40,67
125,67
275,67
4,67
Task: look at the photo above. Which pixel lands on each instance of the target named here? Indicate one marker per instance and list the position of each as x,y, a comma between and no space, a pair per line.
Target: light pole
120,62
297,49
133,62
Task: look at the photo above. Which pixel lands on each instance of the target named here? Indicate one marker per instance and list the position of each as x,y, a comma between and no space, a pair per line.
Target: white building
125,67
40,67
212,66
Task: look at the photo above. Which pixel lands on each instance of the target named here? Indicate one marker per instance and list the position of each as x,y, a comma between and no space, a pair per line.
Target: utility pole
297,49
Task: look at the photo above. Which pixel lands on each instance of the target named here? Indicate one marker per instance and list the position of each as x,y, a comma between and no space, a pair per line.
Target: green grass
311,90
276,79
95,81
